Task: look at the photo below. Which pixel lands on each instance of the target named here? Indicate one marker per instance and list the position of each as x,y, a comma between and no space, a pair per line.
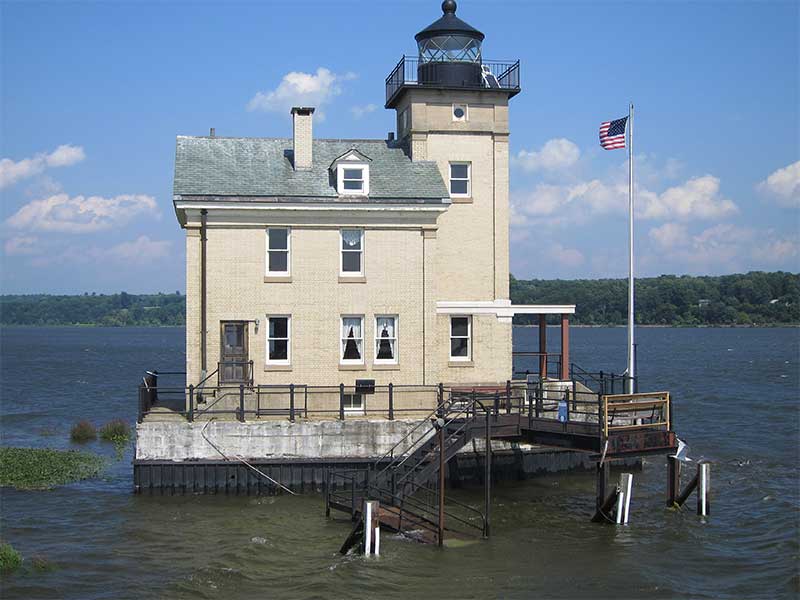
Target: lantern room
449,51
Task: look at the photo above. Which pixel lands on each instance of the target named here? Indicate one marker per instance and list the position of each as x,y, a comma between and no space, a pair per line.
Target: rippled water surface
736,403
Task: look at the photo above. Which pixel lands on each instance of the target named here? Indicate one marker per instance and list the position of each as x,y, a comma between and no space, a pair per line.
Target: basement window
353,403
352,179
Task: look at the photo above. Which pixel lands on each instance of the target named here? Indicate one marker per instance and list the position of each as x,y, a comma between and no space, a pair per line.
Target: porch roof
502,308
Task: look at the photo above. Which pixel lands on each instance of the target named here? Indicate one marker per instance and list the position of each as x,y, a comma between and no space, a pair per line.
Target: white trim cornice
502,309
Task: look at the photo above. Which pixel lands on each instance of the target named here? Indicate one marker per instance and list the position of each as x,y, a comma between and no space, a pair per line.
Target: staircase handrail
390,452
410,451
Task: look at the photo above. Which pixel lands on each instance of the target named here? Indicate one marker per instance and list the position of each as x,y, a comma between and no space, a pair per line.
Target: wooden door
234,367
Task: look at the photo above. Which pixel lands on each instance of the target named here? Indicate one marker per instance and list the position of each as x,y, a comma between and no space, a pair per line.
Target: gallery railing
495,74
567,402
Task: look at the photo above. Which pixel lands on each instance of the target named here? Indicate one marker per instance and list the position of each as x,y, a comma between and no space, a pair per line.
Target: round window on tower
459,112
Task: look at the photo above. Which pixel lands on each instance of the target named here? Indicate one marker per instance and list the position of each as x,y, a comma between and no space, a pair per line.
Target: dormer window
352,173
353,179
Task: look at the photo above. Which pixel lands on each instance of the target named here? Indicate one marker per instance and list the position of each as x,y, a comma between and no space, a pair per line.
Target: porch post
543,346
564,347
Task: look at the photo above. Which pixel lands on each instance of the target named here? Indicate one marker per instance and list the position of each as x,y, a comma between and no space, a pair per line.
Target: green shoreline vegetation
45,468
755,298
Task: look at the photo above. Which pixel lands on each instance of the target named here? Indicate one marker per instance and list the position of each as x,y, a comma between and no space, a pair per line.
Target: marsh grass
44,468
116,431
10,559
82,432
41,564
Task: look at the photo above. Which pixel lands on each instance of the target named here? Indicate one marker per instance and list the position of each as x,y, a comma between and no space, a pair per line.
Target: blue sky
93,95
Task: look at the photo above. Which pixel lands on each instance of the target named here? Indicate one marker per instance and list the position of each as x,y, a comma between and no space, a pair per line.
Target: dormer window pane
353,179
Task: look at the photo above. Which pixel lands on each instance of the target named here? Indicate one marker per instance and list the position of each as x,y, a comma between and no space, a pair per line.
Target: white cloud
79,214
777,251
301,89
669,235
784,185
697,198
721,248
555,205
23,245
63,156
556,154
567,257
360,111
141,250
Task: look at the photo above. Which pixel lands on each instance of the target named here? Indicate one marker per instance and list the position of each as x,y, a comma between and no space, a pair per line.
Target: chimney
212,133
302,138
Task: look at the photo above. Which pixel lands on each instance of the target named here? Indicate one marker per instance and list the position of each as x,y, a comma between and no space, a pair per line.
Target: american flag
612,134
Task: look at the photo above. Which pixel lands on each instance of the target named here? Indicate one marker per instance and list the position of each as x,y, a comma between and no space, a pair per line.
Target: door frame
244,358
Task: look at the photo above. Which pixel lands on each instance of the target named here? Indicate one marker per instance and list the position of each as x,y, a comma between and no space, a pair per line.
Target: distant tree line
112,310
752,298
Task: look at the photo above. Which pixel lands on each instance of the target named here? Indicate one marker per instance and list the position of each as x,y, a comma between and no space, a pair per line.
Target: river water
736,403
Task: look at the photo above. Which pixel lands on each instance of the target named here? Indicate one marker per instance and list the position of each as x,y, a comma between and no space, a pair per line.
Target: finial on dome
449,6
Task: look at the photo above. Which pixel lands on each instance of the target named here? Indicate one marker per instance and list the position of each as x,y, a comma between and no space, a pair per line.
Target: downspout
203,227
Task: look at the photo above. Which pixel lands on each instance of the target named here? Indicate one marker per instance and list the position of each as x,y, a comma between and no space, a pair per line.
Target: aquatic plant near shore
44,468
10,559
116,431
82,432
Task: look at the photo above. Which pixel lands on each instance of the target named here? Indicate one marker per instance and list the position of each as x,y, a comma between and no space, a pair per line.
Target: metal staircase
402,479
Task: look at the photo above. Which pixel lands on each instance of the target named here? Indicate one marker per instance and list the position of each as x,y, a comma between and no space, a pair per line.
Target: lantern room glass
450,48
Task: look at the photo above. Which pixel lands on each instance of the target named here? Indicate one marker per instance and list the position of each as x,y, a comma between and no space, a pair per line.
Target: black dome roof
449,24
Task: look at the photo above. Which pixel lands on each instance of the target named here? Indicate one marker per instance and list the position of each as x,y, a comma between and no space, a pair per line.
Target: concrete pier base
186,458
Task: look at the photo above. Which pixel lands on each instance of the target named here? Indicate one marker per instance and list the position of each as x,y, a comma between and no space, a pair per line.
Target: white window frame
343,341
340,168
468,357
361,409
288,252
450,179
378,338
342,272
288,360
466,112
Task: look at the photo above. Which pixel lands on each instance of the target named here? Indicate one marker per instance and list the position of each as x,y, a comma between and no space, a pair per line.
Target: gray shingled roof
206,166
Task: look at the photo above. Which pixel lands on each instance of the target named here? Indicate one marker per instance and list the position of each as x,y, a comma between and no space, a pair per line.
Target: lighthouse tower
452,108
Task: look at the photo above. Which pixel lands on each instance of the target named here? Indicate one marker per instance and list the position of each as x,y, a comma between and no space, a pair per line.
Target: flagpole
631,366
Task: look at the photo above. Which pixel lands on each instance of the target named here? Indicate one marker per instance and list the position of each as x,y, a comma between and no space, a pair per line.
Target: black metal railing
580,400
399,478
151,394
499,75
540,364
603,382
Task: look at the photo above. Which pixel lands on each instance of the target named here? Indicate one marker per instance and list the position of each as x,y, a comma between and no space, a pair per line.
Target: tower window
460,112
460,338
460,185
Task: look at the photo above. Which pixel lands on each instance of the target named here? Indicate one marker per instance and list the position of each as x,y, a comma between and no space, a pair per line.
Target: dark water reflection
736,395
